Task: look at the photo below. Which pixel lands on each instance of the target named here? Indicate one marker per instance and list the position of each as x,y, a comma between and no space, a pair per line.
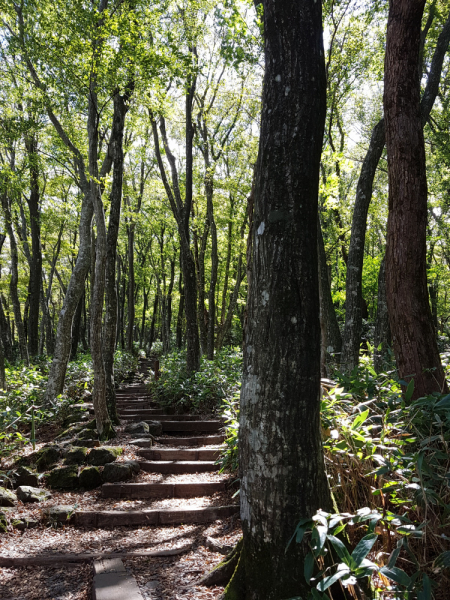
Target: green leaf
328,581
308,567
443,402
363,548
442,561
359,419
409,391
425,592
397,575
341,550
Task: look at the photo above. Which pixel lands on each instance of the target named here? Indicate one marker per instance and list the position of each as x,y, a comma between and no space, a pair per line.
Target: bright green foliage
26,386
203,391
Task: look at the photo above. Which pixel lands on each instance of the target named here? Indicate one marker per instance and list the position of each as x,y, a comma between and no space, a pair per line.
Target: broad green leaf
397,575
363,548
409,391
308,567
341,550
327,581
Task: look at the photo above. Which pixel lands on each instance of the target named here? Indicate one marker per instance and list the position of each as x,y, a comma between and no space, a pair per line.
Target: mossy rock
92,424
103,455
71,431
7,498
86,434
90,478
154,427
114,472
63,478
27,493
3,523
76,455
137,428
47,457
24,476
79,416
25,523
134,466
58,515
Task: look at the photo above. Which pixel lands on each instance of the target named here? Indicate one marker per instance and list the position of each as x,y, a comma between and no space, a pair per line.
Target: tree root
224,571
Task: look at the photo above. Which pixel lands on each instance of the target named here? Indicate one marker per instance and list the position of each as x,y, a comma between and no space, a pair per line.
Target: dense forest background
129,137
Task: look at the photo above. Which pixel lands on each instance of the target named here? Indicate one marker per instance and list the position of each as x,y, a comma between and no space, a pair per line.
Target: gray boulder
136,428
63,478
24,476
27,493
7,498
103,455
58,515
113,472
134,466
154,427
90,478
87,434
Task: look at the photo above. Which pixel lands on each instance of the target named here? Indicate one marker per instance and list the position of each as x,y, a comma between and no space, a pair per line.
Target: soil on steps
168,578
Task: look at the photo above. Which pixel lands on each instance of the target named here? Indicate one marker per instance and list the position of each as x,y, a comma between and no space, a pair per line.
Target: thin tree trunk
151,337
34,284
214,265
76,329
414,337
180,313
331,335
14,278
111,302
131,285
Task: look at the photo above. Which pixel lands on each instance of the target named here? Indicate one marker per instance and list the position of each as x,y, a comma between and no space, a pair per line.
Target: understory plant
22,404
203,391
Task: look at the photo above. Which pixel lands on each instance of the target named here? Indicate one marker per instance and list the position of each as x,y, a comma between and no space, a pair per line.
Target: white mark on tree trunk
261,228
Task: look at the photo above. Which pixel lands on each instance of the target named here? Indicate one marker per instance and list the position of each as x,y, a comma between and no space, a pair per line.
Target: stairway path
190,444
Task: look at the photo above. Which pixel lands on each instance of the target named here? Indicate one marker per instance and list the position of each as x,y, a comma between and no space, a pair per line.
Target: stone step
161,490
179,454
176,426
112,582
206,440
178,467
131,518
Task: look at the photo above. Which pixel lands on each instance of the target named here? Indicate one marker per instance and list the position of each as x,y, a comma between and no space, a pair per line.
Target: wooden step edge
161,490
85,557
111,519
190,441
179,467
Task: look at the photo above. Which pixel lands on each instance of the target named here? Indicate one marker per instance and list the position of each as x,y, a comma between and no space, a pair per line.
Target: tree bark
6,204
111,303
330,332
281,458
382,336
34,285
353,319
414,337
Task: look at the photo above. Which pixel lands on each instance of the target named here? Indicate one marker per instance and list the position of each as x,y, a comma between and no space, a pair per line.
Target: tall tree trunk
75,289
353,319
180,313
382,336
144,310
413,334
330,332
76,329
34,284
104,426
14,278
111,303
131,285
281,457
151,337
209,188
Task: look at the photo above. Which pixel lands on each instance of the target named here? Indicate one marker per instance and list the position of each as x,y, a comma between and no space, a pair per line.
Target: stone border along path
111,581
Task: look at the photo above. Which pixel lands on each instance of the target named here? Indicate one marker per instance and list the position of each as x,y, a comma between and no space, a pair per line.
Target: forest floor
158,578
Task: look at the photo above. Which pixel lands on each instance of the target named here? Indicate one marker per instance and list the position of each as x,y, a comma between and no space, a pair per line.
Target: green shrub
202,391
